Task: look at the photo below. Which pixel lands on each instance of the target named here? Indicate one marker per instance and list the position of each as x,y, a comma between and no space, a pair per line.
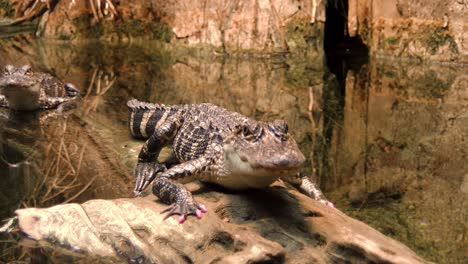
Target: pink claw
198,213
202,208
181,219
330,204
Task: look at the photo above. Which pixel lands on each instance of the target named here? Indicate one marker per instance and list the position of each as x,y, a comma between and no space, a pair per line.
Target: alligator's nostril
282,162
244,158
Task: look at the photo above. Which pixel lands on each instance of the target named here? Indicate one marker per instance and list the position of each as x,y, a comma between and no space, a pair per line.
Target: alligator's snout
3,83
14,83
286,161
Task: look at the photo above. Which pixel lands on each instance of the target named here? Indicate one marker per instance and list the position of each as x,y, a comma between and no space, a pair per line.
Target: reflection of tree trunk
365,89
101,82
356,119
331,130
313,129
28,10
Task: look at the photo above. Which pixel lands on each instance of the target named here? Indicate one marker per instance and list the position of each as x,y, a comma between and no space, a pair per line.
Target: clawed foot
319,197
327,203
145,173
184,210
313,191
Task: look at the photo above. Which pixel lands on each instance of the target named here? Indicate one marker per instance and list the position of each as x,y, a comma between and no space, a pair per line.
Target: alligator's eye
245,131
279,128
9,69
27,70
258,131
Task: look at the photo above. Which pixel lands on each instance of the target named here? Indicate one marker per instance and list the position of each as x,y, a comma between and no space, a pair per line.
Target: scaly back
52,86
144,117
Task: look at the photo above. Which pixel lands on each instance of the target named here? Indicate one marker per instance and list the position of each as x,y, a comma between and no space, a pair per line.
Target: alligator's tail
144,117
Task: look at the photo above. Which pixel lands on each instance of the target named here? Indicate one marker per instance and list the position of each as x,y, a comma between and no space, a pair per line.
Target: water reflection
388,146
398,158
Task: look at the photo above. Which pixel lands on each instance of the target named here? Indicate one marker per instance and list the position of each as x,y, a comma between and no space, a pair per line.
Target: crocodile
22,89
211,144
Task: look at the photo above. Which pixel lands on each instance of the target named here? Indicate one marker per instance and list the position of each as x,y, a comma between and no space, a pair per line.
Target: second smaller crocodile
22,89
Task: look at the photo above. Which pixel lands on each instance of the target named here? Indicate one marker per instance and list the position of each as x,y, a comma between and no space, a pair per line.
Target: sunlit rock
267,225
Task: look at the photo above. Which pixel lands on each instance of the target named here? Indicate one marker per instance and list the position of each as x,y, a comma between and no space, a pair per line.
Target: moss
301,34
297,76
388,42
95,31
440,37
388,218
389,74
85,29
430,86
136,28
6,7
161,31
64,37
424,84
392,40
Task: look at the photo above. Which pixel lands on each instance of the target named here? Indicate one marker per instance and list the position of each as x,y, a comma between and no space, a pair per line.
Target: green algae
438,38
137,28
390,217
5,8
301,35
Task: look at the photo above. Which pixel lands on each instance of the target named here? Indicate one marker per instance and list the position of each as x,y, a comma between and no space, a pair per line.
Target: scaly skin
212,144
22,89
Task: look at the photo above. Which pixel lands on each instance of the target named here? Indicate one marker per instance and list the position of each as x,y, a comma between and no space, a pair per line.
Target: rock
428,30
274,225
253,27
100,226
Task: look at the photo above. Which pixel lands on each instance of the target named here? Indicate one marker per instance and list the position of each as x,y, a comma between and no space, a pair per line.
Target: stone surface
273,225
429,30
245,26
421,30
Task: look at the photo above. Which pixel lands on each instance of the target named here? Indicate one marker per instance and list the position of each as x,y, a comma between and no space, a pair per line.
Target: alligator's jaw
240,174
22,98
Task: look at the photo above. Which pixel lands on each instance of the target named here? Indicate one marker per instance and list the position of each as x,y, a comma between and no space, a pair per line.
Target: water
387,140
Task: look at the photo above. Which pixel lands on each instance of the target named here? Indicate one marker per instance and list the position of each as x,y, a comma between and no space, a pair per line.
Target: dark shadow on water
19,136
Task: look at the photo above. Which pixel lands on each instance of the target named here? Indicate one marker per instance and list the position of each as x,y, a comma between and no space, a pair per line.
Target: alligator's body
211,144
24,90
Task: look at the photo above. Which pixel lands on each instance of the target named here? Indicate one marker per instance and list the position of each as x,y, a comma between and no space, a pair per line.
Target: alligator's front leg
148,166
310,188
62,103
168,187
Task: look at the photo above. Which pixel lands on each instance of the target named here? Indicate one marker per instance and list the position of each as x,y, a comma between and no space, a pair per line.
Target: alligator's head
20,86
263,150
